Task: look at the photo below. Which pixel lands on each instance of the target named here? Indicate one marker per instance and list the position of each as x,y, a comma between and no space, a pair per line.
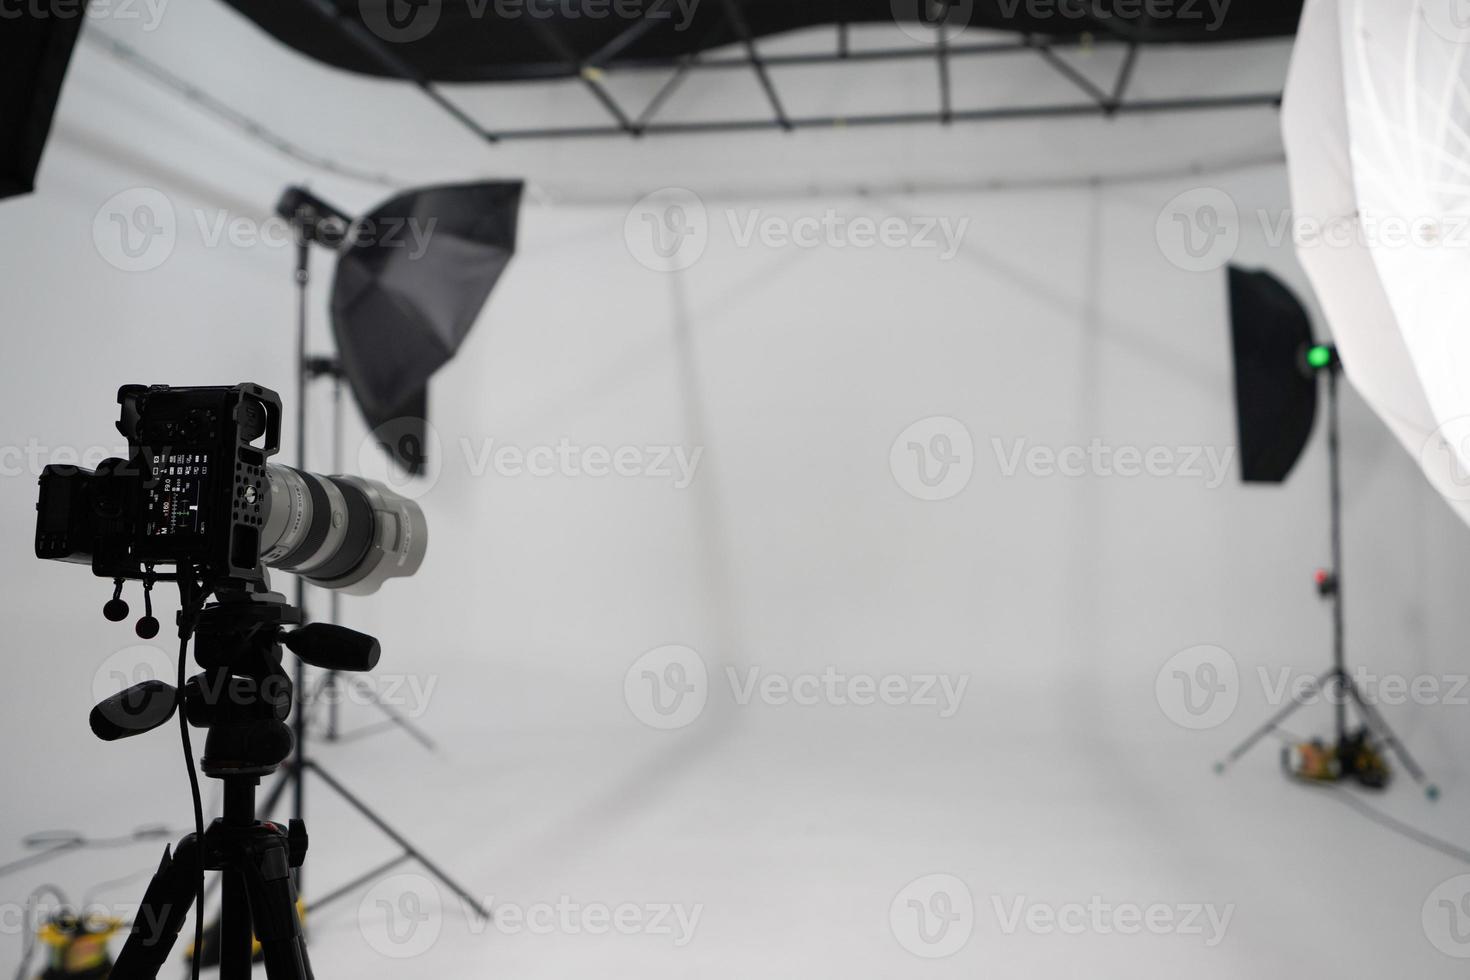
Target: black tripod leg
398,839
1369,712
161,914
267,878
1274,721
236,936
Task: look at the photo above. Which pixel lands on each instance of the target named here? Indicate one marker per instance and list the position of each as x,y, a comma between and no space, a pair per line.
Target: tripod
242,699
1335,682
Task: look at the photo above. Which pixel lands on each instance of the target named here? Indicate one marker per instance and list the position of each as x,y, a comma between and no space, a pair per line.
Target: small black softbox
410,282
1275,391
35,48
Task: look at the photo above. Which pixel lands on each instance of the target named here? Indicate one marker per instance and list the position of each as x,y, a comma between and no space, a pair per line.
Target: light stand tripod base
1340,685
411,852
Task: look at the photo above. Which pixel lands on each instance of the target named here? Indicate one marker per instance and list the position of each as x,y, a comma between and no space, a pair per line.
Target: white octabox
1376,122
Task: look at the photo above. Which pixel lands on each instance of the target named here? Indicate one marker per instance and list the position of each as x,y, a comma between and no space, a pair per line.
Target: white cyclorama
340,532
919,672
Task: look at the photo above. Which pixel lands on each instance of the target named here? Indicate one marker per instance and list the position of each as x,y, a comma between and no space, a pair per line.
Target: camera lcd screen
176,501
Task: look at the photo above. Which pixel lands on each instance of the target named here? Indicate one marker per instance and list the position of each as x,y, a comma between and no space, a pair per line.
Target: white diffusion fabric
1344,244
1405,78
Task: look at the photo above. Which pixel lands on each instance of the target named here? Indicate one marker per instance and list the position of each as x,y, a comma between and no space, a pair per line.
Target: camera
198,491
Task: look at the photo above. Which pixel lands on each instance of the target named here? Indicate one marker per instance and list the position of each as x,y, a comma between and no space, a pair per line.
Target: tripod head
242,697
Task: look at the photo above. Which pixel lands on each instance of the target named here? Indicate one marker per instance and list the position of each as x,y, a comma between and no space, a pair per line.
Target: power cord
191,607
1407,831
29,943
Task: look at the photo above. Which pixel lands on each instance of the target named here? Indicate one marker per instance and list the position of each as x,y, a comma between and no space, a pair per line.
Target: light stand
1336,683
310,226
314,367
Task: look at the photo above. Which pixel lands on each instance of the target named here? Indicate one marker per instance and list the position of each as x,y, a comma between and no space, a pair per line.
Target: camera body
193,491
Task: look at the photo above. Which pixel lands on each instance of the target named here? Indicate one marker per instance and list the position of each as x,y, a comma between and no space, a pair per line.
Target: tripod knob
333,647
141,708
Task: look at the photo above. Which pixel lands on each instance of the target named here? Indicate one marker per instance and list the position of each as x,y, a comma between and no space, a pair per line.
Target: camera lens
340,532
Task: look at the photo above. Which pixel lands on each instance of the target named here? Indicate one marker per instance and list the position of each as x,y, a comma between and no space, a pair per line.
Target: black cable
1404,830
29,930
188,619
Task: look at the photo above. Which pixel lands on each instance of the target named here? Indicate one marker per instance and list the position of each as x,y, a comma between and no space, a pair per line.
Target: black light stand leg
1375,721
409,849
298,720
1298,700
1334,484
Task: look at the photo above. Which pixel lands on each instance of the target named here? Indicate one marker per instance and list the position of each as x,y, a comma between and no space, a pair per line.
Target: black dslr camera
194,490
198,493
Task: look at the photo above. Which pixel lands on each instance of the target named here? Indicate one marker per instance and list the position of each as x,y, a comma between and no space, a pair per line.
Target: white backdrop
1066,318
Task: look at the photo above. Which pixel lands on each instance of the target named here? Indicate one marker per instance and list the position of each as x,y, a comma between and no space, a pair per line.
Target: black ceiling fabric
500,40
35,49
1275,391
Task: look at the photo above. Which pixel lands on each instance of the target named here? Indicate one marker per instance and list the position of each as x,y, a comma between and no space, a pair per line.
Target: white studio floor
793,834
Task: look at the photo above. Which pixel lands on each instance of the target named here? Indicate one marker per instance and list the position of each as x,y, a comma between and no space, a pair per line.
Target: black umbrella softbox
1275,390
411,280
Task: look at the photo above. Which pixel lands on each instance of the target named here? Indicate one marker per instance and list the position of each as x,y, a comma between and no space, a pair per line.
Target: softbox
35,49
411,279
1275,392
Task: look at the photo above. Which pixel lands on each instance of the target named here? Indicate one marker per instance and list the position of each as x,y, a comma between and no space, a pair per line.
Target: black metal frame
592,70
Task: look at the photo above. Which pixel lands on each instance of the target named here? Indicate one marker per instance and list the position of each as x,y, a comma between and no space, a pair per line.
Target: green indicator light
1319,356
